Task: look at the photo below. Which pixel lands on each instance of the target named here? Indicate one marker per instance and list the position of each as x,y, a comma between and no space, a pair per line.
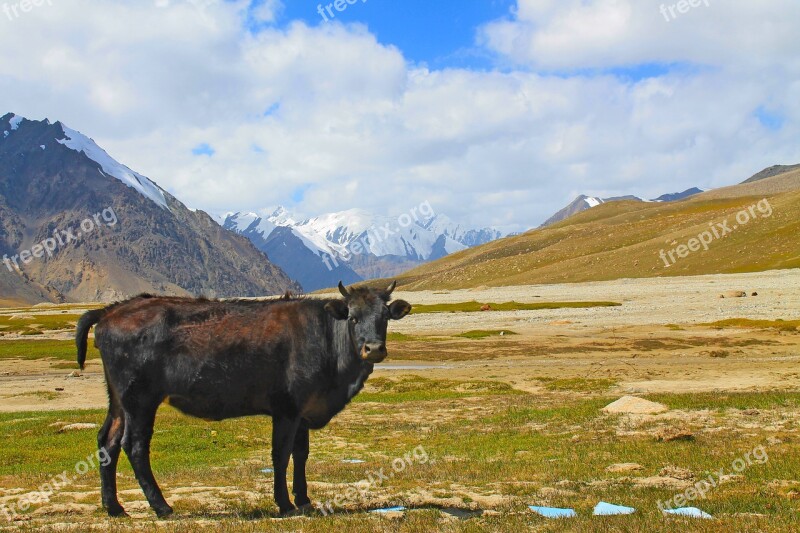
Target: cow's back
211,359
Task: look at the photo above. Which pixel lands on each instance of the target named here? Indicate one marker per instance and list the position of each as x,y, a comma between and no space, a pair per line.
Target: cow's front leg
283,434
299,457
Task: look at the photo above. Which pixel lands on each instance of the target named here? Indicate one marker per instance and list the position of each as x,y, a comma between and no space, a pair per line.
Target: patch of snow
77,141
15,121
5,133
593,202
42,146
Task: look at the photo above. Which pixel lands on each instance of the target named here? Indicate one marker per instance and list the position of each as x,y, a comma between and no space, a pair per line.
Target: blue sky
496,112
438,33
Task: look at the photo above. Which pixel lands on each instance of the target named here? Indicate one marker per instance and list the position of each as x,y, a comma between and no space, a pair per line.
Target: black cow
299,361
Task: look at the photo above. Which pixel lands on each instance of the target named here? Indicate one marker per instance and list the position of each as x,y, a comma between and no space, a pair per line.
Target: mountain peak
78,142
75,140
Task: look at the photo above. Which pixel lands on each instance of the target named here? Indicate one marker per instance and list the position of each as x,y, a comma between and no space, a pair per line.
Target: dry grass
623,240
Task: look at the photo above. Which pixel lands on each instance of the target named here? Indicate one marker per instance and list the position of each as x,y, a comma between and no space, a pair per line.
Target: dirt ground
654,342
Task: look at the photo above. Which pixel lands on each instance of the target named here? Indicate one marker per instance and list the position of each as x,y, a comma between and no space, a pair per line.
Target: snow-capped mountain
583,202
126,234
75,140
272,231
359,232
353,244
443,225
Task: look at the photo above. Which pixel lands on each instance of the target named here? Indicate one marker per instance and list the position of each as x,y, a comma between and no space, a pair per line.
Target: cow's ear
398,309
337,309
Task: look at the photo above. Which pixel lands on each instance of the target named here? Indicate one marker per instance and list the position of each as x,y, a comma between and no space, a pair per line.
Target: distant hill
626,239
54,179
674,197
583,202
771,171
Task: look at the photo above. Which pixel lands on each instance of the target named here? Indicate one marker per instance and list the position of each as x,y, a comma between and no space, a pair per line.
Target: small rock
60,389
772,441
78,426
634,405
74,374
755,294
624,467
486,307
735,294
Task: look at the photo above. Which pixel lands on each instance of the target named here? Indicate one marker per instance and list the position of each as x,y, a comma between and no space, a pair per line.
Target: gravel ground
683,300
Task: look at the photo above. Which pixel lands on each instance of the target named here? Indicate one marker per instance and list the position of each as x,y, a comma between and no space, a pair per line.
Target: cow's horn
391,287
343,290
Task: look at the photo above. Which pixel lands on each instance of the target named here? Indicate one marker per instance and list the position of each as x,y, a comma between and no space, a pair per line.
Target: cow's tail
89,319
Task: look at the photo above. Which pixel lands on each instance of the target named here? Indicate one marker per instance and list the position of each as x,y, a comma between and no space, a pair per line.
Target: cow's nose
374,351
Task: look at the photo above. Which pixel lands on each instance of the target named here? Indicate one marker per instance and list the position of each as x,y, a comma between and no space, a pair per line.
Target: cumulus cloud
330,114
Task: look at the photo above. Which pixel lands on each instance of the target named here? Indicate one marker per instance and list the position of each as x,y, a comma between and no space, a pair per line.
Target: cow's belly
216,408
216,394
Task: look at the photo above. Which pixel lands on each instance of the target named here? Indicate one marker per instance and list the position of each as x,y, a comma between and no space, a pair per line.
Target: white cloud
353,124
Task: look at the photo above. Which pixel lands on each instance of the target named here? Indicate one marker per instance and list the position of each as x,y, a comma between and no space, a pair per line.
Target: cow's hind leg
300,456
136,443
283,433
109,441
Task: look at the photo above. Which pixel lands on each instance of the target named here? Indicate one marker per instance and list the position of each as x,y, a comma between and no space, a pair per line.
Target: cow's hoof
289,512
305,509
164,512
117,512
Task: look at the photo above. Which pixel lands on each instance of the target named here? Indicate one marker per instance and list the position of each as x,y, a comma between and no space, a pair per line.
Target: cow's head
368,312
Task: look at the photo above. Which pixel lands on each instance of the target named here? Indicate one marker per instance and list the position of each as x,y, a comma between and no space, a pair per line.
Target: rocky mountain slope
76,225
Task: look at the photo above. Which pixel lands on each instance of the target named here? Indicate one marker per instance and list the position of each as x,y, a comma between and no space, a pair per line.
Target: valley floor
505,420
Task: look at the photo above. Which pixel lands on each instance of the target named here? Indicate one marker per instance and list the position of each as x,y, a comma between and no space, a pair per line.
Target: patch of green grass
180,444
483,333
404,337
473,306
43,349
545,449
415,388
39,394
732,400
27,323
781,325
674,327
577,384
